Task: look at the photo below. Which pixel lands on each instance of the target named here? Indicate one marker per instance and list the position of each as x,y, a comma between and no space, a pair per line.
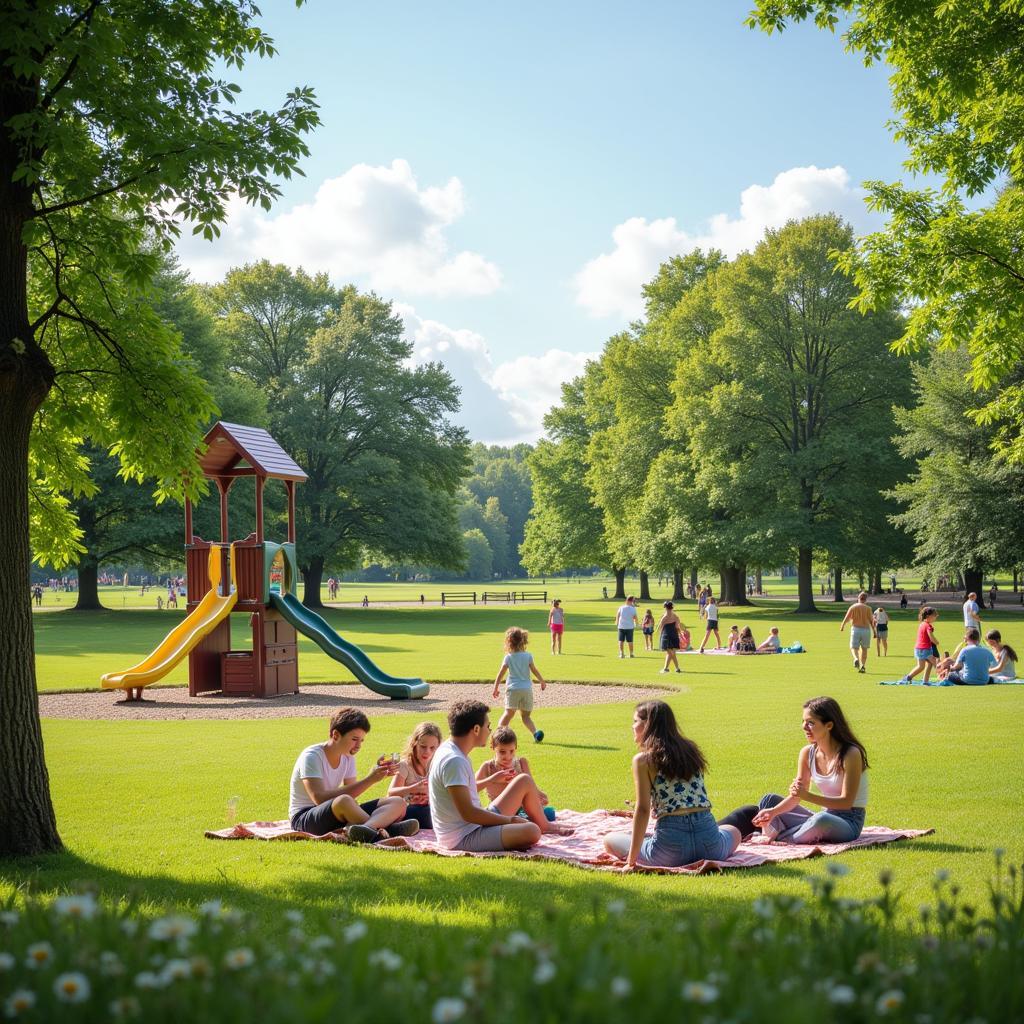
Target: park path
314,702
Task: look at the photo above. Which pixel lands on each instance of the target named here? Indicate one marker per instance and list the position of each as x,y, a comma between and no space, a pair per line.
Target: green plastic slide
355,659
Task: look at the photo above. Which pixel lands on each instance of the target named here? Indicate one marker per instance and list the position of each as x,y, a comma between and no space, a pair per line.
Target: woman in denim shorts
668,774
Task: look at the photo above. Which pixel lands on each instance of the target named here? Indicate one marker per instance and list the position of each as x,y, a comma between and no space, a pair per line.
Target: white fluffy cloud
609,284
501,404
372,224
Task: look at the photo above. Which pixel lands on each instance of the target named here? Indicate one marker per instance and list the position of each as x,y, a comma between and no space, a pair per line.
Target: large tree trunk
678,590
973,581
758,583
312,577
734,584
620,584
805,581
876,581
693,579
645,587
837,575
88,587
27,822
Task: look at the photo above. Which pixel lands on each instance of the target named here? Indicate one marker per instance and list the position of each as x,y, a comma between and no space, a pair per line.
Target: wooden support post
259,510
188,521
290,487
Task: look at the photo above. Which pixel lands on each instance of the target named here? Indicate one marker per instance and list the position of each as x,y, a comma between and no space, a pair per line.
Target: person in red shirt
926,648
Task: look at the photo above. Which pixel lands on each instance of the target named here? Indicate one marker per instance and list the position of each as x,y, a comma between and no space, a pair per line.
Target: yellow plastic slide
213,608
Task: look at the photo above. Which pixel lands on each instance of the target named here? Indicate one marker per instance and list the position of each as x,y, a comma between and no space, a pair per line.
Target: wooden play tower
270,668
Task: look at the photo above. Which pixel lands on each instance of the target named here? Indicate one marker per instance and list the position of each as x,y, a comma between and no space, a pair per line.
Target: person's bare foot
556,828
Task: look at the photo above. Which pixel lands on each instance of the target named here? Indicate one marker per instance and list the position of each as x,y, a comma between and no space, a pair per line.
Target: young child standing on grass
926,648
518,665
647,628
556,623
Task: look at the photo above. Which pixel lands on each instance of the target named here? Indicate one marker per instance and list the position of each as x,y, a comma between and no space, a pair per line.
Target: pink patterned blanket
584,847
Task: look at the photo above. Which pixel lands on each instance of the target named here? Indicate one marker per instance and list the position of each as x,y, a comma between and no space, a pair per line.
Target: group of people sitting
433,785
970,664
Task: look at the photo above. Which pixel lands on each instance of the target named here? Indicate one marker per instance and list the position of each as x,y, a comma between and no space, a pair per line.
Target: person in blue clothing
518,666
974,662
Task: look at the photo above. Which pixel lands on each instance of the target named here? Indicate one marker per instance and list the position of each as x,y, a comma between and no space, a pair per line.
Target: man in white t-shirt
625,623
972,618
459,820
710,613
324,788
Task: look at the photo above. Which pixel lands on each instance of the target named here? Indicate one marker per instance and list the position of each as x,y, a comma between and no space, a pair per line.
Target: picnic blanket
792,649
584,847
945,682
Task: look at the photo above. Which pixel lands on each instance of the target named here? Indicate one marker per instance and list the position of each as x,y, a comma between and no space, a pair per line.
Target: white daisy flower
449,1009
72,987
699,992
20,1001
83,907
39,954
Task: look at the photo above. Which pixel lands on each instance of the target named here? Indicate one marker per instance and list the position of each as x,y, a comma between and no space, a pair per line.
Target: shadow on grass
581,746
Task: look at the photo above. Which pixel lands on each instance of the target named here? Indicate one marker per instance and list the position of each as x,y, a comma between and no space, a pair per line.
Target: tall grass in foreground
828,958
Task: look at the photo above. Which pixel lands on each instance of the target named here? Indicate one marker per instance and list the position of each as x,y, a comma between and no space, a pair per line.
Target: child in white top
772,643
518,665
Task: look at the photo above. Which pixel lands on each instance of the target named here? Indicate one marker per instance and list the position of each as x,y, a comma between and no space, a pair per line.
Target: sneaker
362,834
631,655
408,827
856,663
621,655
662,669
679,670
538,736
861,670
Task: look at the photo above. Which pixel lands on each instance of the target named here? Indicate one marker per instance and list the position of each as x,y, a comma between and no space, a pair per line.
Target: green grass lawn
464,643
133,798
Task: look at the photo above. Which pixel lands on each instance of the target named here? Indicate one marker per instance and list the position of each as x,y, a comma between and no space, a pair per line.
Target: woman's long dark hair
827,709
994,634
668,751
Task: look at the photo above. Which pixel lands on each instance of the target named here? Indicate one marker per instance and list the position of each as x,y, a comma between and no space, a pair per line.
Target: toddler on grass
518,665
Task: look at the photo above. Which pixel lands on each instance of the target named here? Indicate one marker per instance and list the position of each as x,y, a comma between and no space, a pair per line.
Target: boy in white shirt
459,820
324,788
625,623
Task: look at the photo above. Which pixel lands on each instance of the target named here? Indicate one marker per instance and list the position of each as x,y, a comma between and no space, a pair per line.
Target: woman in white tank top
831,772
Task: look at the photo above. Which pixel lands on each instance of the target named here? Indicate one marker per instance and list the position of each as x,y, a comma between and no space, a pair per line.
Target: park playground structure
256,577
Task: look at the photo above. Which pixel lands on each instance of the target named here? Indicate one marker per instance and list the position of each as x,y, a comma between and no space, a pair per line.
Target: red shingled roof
248,451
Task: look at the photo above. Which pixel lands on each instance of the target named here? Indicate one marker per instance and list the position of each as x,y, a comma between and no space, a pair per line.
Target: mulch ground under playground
315,701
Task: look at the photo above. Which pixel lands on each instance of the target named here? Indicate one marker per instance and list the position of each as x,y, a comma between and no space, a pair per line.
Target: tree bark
734,585
693,578
805,581
678,590
837,575
876,581
312,577
758,583
27,822
645,587
974,581
620,584
88,586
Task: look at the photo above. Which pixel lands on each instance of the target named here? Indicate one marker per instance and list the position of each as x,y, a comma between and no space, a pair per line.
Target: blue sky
510,174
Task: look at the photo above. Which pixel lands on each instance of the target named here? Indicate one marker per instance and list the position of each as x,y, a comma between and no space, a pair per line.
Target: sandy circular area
315,701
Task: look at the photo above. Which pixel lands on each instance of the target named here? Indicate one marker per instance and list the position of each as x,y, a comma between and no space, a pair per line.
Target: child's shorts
557,627
519,700
923,653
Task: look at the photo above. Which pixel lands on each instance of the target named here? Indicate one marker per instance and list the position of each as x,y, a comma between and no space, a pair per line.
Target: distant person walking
861,630
625,623
972,618
711,615
881,623
669,628
556,623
